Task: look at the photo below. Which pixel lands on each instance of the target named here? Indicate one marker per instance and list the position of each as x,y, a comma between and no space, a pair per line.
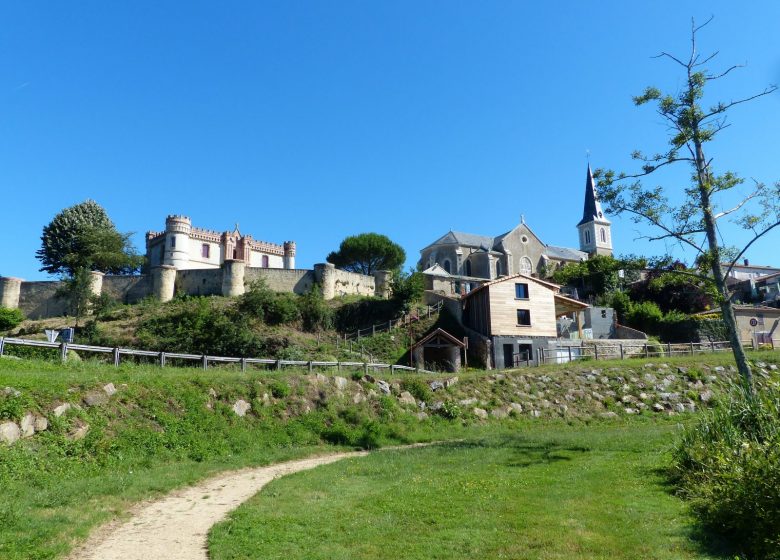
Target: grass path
549,493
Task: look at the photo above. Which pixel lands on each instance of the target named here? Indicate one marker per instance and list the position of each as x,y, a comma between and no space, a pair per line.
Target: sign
51,334
754,322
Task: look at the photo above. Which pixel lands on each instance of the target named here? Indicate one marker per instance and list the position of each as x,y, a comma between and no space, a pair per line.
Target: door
509,351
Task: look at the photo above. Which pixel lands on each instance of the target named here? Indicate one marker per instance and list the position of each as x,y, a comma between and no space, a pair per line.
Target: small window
447,266
587,236
603,235
526,266
173,241
265,261
498,269
524,317
468,268
205,251
521,291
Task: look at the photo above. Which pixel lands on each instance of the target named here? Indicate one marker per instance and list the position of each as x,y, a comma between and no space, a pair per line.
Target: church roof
565,253
436,270
592,209
466,239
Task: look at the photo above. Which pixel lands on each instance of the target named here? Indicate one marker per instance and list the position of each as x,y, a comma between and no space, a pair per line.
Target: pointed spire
592,209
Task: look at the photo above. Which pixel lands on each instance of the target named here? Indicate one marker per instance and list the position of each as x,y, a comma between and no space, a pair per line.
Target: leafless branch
727,106
744,201
746,247
718,76
659,224
677,60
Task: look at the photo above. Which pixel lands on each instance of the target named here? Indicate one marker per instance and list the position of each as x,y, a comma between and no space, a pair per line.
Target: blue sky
316,120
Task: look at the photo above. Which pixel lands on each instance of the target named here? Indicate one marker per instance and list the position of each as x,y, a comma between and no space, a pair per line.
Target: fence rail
622,351
384,326
161,358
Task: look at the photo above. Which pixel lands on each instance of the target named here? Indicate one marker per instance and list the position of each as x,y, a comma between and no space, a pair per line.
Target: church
463,261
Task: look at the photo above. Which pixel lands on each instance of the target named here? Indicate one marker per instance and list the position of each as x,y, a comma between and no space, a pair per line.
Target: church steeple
594,227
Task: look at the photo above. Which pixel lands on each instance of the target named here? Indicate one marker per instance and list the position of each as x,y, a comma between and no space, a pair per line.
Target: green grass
541,491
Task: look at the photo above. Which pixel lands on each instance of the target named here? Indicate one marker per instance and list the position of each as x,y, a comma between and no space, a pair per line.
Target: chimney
747,262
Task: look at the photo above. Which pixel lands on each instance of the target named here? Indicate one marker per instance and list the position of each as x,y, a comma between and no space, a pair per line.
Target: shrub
418,388
283,309
256,300
645,316
315,312
728,466
10,318
279,389
450,410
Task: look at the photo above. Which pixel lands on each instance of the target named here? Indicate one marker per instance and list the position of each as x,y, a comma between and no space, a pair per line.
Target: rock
499,413
95,398
320,379
79,431
761,364
241,407
421,415
372,394
27,425
11,392
658,407
644,397
627,399
358,398
772,367
478,412
438,405
341,383
109,389
536,413
467,402
61,409
436,385
450,382
609,414
383,386
41,424
679,407
517,408
9,433
631,411
650,378
598,396
421,405
407,398
706,396
648,366
212,393
266,399
369,378
719,369
690,406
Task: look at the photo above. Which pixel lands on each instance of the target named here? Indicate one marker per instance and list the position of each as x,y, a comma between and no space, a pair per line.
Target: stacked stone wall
352,283
199,282
38,300
127,289
281,280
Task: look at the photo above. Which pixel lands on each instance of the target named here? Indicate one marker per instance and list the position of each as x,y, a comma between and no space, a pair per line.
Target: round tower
177,241
10,291
289,255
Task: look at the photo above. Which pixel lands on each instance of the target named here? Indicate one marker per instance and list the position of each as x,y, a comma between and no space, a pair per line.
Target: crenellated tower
177,241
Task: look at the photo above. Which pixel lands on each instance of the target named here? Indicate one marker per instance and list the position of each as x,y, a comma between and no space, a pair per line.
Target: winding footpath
176,526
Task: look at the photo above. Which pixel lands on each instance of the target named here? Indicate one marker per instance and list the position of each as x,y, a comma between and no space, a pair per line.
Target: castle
185,247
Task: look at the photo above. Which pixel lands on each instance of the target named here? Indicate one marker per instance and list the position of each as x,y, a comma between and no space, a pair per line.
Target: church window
587,236
447,266
205,250
265,261
526,267
468,268
603,235
498,268
524,239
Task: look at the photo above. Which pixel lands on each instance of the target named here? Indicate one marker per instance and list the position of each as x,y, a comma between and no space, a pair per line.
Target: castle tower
289,255
595,229
177,241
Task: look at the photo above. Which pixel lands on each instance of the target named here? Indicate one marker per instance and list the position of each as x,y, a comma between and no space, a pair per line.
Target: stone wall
127,289
282,280
199,282
37,300
351,283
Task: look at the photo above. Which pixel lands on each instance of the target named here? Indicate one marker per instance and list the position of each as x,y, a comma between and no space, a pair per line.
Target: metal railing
428,311
162,358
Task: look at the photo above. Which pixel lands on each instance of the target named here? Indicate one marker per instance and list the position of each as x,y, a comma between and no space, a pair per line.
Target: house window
265,261
524,317
468,268
603,235
173,241
447,266
521,291
587,237
205,251
525,266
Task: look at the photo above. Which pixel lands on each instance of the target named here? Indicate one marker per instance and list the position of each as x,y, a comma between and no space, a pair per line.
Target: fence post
596,352
373,330
243,365
390,325
311,367
569,349
116,357
338,366
712,346
205,361
278,364
669,349
692,352
162,359
622,355
647,351
2,344
64,351
365,368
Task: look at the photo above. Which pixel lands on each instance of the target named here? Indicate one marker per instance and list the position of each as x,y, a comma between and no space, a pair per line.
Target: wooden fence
428,311
161,358
622,351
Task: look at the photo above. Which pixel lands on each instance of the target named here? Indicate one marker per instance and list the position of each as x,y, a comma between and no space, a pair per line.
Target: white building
185,247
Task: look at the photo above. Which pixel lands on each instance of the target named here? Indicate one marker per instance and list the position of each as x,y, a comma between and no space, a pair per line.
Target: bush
315,313
728,466
279,389
256,300
10,318
418,388
645,316
450,410
283,310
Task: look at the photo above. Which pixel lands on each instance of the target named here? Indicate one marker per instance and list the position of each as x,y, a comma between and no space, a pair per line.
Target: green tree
83,236
76,290
366,253
694,223
597,276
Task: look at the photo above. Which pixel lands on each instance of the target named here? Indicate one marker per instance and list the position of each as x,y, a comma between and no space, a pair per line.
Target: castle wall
199,282
127,289
281,280
352,283
37,300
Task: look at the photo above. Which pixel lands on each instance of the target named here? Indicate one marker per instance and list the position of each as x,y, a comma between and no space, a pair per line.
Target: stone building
186,248
470,259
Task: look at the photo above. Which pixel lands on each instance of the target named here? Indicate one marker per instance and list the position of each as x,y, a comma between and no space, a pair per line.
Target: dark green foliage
198,325
82,236
256,300
728,466
418,388
450,410
367,253
673,290
645,316
10,318
366,312
283,310
408,288
315,312
76,290
279,389
260,302
598,275
102,305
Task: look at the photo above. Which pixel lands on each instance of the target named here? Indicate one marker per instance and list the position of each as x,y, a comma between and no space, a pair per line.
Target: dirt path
176,526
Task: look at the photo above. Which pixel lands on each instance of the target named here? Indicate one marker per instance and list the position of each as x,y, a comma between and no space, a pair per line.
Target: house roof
436,270
565,305
550,285
565,253
592,209
444,334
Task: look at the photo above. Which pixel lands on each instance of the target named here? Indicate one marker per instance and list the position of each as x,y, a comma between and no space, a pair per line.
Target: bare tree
695,222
